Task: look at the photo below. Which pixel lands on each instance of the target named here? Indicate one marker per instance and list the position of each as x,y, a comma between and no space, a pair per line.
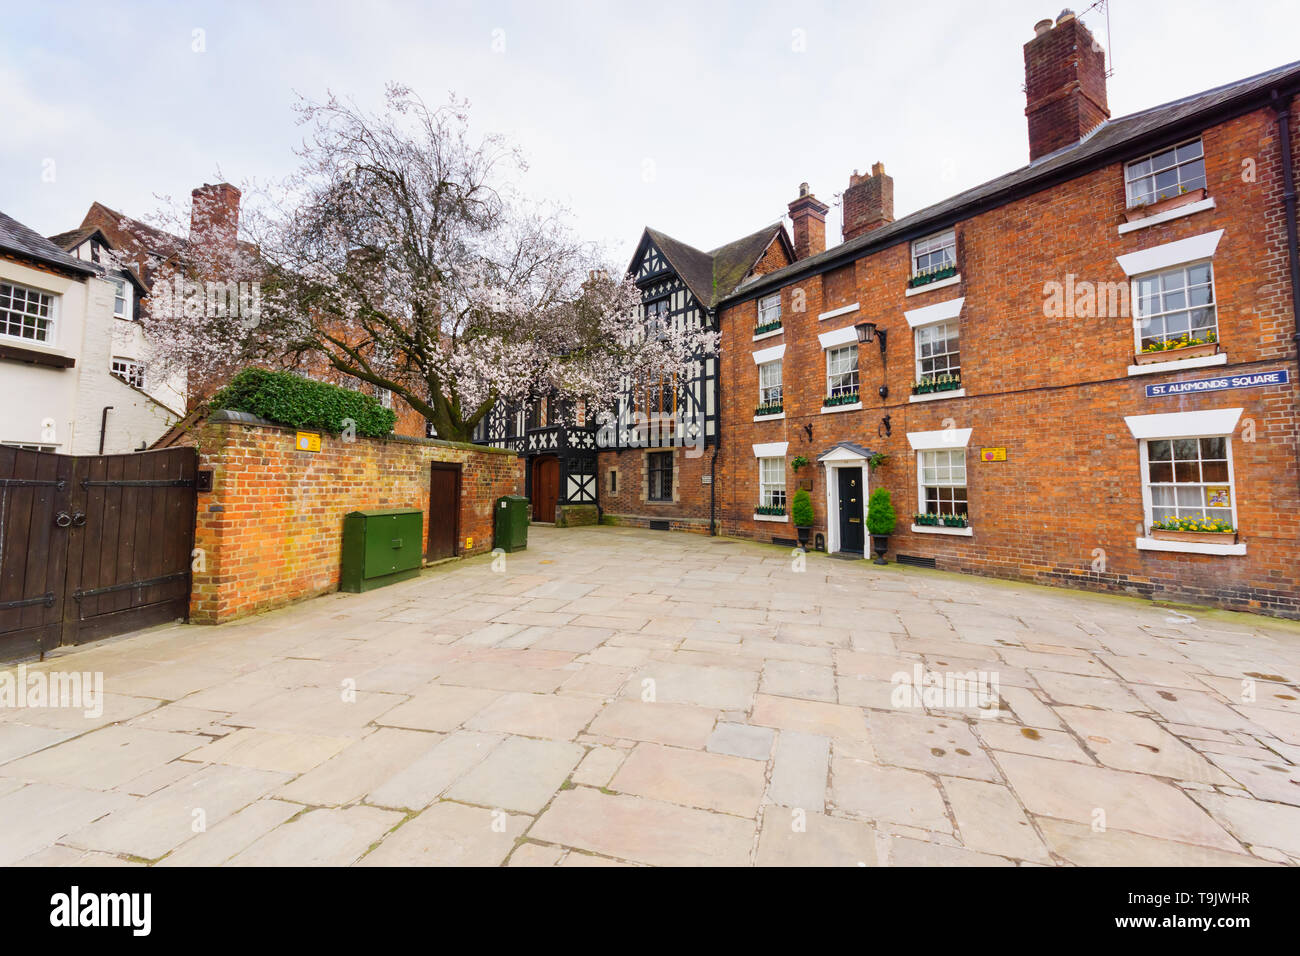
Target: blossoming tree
400,254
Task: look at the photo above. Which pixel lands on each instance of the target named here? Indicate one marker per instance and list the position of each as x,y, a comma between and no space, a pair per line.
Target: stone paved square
708,706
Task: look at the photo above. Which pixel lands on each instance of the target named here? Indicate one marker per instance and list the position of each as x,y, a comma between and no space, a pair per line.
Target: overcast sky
698,118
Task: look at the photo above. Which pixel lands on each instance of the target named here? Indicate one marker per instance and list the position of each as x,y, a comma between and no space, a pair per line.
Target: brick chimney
214,214
808,215
868,202
1065,84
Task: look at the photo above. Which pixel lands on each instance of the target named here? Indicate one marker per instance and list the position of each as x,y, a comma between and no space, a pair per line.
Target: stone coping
228,416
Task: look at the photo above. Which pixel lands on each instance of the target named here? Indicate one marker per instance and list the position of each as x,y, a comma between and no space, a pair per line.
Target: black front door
851,509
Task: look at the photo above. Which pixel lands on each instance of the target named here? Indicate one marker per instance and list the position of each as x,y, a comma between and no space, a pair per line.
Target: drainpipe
103,426
713,494
1283,108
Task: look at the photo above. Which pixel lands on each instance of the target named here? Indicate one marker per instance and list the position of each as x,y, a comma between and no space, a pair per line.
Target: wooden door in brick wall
546,487
444,510
92,546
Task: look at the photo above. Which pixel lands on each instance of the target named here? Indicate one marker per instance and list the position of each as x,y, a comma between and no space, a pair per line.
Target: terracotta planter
1170,355
1173,202
1200,537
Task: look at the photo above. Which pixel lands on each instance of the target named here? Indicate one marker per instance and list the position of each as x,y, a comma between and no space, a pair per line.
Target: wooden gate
92,546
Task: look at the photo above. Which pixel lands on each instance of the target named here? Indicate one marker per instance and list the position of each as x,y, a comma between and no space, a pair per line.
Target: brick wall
272,527
1053,391
630,504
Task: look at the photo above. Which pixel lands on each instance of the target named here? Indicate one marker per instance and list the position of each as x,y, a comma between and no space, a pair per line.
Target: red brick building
1054,372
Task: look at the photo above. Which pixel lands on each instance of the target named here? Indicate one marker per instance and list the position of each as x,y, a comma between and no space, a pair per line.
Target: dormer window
1166,174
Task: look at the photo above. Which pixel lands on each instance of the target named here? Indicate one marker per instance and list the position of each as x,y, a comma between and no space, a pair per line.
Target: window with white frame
385,396
26,313
769,310
1176,305
769,384
130,370
1170,172
841,371
934,252
771,482
943,481
1190,479
937,351
121,301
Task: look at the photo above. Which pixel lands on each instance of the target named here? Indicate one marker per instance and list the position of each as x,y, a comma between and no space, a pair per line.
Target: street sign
1277,376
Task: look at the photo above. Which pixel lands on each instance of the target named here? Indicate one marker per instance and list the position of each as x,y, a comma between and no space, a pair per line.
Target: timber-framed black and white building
680,286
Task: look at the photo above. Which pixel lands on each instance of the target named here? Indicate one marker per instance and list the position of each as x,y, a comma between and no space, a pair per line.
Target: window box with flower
932,275
937,383
1169,350
1216,530
844,398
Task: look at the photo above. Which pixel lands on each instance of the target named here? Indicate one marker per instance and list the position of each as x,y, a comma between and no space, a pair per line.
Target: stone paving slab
619,697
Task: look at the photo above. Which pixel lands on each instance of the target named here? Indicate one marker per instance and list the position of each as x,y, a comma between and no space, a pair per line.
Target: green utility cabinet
510,530
381,547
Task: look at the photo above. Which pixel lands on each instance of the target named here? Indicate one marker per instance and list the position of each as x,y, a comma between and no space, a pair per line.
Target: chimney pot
1042,26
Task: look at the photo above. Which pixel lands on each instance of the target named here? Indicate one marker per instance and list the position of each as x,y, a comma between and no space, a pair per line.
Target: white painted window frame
1130,178
1208,423
51,339
778,363
856,370
765,306
125,373
1136,299
949,234
764,485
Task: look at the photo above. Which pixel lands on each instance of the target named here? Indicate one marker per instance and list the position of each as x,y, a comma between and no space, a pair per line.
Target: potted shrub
1214,530
881,519
801,515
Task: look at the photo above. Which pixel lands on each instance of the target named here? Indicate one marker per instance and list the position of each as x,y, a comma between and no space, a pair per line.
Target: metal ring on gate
62,519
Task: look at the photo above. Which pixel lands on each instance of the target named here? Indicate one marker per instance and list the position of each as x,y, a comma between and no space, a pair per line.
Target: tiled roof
18,239
715,274
1107,140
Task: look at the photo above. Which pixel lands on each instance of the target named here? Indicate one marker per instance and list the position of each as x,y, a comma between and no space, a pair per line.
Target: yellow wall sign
993,454
307,441
469,542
